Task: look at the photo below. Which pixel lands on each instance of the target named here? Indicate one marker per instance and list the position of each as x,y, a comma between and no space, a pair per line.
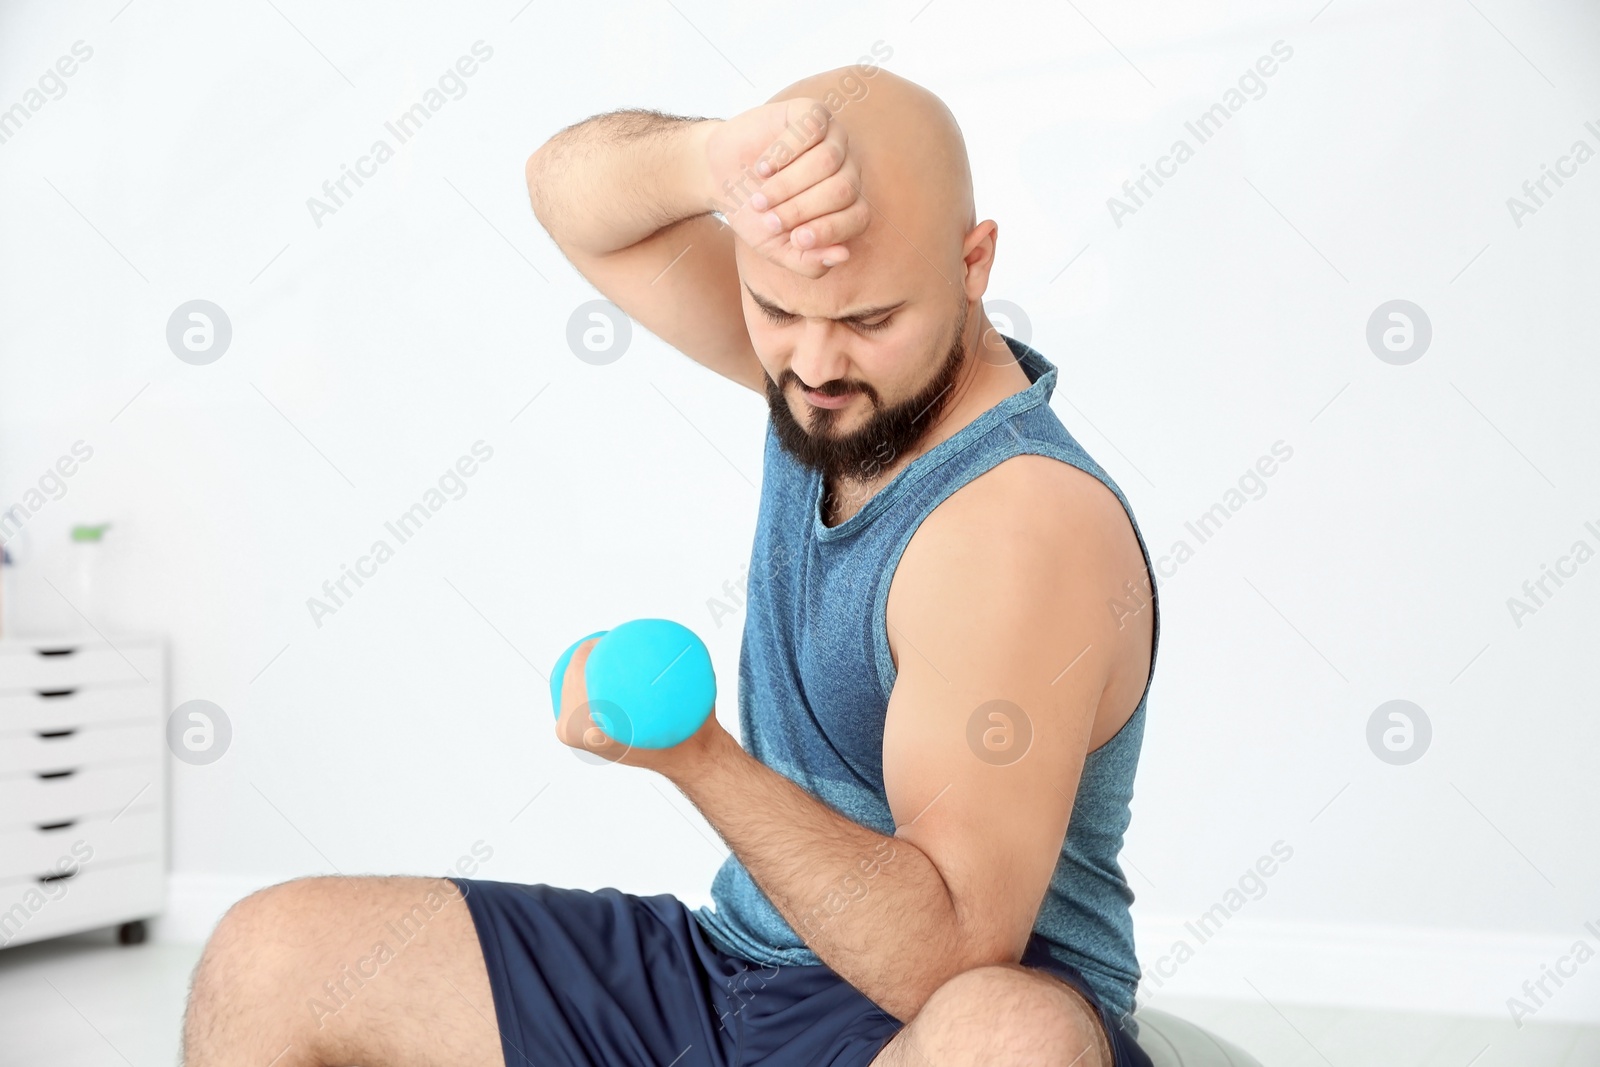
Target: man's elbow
991,953
969,955
984,942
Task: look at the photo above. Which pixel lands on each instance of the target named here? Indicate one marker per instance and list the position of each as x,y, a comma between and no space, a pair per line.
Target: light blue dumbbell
649,681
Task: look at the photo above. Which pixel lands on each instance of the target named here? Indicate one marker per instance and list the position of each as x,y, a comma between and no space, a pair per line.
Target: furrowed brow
859,315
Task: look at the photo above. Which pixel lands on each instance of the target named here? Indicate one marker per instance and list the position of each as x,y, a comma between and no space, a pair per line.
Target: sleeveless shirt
815,675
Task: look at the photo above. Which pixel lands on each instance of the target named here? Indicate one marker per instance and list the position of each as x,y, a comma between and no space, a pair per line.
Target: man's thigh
344,970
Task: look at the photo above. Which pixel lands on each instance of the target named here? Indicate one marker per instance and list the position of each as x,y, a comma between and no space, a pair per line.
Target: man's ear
977,257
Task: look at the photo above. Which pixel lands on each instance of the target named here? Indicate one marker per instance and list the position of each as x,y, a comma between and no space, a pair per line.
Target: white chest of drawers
83,789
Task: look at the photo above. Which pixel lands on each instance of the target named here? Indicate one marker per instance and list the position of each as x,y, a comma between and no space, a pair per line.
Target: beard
888,433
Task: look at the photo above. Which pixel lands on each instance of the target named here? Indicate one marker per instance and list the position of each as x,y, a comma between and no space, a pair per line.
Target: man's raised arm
628,197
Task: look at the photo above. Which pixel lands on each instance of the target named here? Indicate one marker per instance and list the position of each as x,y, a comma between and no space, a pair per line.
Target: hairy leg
322,971
1003,1015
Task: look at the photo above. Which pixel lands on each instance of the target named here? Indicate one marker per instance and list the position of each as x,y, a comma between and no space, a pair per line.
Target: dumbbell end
657,674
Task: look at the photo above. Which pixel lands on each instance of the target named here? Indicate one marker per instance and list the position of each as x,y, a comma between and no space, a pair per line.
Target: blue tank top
815,674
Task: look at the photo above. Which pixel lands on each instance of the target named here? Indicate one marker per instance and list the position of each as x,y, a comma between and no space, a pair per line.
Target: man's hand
576,728
806,198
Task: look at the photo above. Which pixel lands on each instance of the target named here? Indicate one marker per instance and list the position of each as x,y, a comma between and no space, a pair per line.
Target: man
950,633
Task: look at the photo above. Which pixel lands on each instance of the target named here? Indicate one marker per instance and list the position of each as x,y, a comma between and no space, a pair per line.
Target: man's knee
258,940
241,987
270,922
1009,1014
287,961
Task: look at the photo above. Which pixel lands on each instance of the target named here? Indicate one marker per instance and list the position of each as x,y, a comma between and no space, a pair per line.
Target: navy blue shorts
607,979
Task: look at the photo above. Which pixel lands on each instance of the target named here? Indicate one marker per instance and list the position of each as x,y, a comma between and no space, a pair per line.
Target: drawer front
82,746
27,852
88,663
28,798
69,707
92,897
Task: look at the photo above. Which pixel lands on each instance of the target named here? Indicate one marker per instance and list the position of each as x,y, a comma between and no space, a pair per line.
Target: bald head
913,159
864,361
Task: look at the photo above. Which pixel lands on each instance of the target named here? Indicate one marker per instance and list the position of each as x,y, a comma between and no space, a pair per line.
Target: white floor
1330,1037
86,1002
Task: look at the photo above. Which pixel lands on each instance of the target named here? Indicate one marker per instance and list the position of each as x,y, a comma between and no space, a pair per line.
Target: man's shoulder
1031,524
1031,558
1029,501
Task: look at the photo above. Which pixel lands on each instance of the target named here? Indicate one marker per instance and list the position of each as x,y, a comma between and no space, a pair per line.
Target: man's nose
818,358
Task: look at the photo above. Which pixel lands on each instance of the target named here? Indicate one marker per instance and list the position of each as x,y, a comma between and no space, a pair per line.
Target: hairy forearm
874,908
612,180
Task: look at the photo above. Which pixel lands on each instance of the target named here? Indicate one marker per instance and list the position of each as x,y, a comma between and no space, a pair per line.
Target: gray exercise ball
1171,1042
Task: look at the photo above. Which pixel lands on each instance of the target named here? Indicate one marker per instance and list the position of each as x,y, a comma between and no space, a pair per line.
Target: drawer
27,798
74,706
83,746
86,663
92,897
27,852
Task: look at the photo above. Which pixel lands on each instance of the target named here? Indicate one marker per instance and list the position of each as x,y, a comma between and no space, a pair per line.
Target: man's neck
991,374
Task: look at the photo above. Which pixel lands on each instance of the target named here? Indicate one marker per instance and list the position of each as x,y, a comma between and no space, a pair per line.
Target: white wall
1228,313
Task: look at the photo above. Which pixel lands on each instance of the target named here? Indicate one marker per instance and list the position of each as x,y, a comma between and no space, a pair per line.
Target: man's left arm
1005,644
